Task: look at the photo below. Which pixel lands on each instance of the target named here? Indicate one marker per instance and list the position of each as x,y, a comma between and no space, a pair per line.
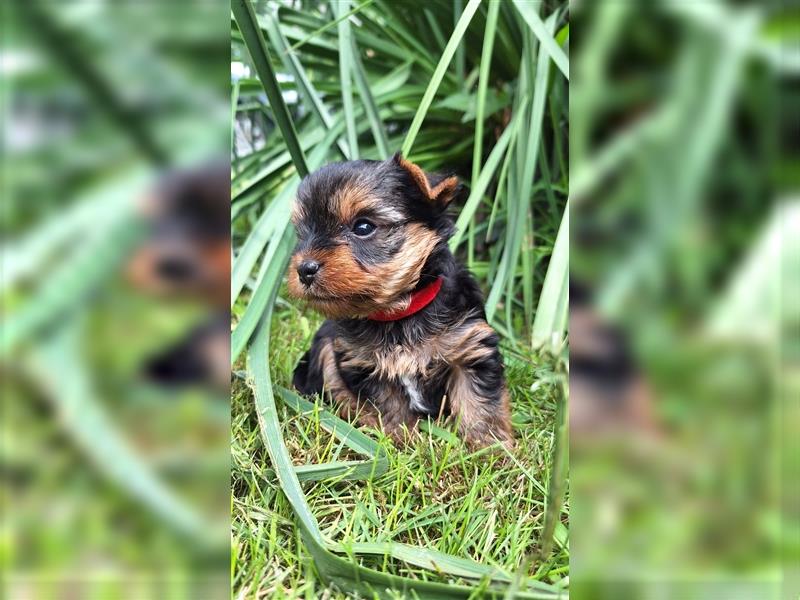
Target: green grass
435,494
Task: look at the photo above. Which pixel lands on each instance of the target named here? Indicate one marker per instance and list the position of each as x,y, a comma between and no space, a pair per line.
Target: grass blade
527,163
480,111
234,106
258,238
476,194
94,261
293,66
483,84
23,257
347,470
378,130
265,291
551,312
354,438
438,74
461,69
556,488
64,48
257,48
267,414
331,24
544,36
429,559
345,75
91,428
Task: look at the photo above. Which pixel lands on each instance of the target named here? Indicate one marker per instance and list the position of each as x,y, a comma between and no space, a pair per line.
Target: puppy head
365,230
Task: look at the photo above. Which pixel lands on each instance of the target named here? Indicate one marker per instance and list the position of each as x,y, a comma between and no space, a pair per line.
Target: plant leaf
438,74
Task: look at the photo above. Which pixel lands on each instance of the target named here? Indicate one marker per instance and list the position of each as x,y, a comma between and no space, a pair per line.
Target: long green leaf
346,75
551,312
104,204
257,48
354,438
438,74
99,255
485,178
267,289
378,130
429,559
331,24
483,84
544,35
461,69
346,470
259,237
480,111
293,66
70,50
527,162
234,107
556,488
89,425
267,414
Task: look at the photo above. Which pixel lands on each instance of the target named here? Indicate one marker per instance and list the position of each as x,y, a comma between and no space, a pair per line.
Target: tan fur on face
402,274
353,198
344,288
210,261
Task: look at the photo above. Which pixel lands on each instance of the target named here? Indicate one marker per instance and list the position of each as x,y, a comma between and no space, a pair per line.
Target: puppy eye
362,227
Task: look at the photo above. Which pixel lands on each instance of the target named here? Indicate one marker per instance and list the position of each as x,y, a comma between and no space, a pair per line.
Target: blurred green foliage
112,487
683,148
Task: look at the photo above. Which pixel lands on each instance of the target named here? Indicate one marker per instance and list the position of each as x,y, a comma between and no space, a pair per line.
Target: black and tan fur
442,360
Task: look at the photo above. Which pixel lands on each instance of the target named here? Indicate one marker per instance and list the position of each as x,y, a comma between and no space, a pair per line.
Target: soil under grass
435,494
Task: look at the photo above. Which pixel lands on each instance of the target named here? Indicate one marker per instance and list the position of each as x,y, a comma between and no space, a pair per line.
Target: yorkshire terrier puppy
407,336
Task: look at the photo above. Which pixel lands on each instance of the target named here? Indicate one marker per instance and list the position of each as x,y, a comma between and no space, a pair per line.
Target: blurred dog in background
187,256
609,394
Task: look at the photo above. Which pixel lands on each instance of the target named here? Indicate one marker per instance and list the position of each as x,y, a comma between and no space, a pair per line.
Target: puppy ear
440,193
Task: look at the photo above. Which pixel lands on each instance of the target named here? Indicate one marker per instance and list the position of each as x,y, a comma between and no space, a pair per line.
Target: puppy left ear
440,192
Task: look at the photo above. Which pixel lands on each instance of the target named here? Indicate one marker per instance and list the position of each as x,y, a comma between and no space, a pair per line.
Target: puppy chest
398,372
425,395
414,392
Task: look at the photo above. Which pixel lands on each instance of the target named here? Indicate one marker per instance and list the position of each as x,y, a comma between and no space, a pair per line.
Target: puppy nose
307,270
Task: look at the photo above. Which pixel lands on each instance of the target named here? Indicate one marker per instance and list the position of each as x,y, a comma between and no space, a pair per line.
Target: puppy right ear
440,194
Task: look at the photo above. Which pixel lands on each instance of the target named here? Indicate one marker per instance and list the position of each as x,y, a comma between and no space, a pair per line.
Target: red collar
419,300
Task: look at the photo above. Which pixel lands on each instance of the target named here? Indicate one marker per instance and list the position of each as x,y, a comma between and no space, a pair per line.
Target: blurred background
684,312
115,255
